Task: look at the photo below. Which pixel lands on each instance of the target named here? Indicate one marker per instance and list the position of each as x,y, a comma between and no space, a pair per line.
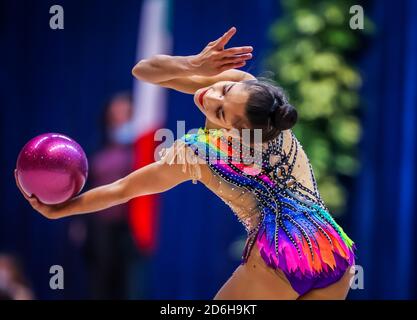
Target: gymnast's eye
219,111
224,90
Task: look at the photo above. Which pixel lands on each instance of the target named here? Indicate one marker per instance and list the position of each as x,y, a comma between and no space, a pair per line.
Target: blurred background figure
110,251
13,282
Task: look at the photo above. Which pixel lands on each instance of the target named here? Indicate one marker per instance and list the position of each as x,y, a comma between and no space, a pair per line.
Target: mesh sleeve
180,153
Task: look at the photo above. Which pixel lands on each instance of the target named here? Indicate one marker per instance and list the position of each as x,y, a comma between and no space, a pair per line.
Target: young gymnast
294,248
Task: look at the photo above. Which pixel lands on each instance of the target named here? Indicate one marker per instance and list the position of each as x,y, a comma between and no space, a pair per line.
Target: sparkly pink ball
53,167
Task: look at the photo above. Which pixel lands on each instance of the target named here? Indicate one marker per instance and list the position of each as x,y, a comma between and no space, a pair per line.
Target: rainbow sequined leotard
291,226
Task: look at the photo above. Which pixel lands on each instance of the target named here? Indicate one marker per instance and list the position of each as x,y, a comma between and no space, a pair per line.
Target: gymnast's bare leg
255,280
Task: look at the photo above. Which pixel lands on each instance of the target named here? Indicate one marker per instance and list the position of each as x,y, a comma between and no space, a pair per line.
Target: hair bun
284,117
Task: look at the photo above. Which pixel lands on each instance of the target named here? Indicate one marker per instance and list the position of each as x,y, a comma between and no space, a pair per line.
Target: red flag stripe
144,210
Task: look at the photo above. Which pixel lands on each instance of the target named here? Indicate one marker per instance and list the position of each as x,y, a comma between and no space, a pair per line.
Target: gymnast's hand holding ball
48,211
51,168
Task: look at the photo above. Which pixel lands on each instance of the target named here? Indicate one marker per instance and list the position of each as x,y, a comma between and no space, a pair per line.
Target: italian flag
149,115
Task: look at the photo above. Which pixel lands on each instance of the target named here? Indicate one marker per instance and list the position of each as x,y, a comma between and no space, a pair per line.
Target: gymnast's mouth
200,98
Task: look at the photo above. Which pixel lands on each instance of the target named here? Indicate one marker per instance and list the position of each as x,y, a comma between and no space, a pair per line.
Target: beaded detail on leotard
293,229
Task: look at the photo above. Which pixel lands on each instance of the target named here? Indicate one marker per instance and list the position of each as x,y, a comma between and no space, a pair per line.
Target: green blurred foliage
314,43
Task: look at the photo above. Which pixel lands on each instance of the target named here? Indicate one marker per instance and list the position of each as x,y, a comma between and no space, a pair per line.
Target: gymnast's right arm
154,178
189,73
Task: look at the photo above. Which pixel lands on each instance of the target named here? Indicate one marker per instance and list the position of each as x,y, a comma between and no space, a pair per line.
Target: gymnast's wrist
192,65
70,208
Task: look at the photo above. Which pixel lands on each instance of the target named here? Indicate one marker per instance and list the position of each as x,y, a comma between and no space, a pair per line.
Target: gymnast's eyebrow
230,87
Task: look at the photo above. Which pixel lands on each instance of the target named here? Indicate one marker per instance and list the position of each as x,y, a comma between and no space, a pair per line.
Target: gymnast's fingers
232,66
237,58
223,40
237,50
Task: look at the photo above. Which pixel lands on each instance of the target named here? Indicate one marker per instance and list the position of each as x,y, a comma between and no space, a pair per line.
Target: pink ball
53,167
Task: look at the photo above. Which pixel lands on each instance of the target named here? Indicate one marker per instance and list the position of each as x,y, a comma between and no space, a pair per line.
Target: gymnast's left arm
154,178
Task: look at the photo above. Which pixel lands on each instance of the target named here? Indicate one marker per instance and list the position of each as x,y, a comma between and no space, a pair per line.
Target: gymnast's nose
212,99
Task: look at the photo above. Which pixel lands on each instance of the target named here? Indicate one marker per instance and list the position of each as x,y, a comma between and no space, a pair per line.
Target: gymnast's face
223,103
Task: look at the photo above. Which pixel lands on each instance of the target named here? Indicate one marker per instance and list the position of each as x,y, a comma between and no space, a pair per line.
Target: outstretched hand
48,211
215,58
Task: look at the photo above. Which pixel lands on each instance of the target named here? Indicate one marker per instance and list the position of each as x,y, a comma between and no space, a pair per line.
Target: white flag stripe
149,100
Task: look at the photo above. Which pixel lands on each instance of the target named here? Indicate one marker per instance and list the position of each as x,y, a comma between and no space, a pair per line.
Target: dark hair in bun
268,108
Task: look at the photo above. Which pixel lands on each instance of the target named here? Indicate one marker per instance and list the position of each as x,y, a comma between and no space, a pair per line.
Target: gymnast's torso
276,199
244,203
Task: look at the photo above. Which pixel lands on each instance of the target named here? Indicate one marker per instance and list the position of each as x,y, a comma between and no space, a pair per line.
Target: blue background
58,81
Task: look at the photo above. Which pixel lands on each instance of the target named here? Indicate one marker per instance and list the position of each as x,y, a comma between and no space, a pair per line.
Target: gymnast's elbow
143,181
146,70
138,68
